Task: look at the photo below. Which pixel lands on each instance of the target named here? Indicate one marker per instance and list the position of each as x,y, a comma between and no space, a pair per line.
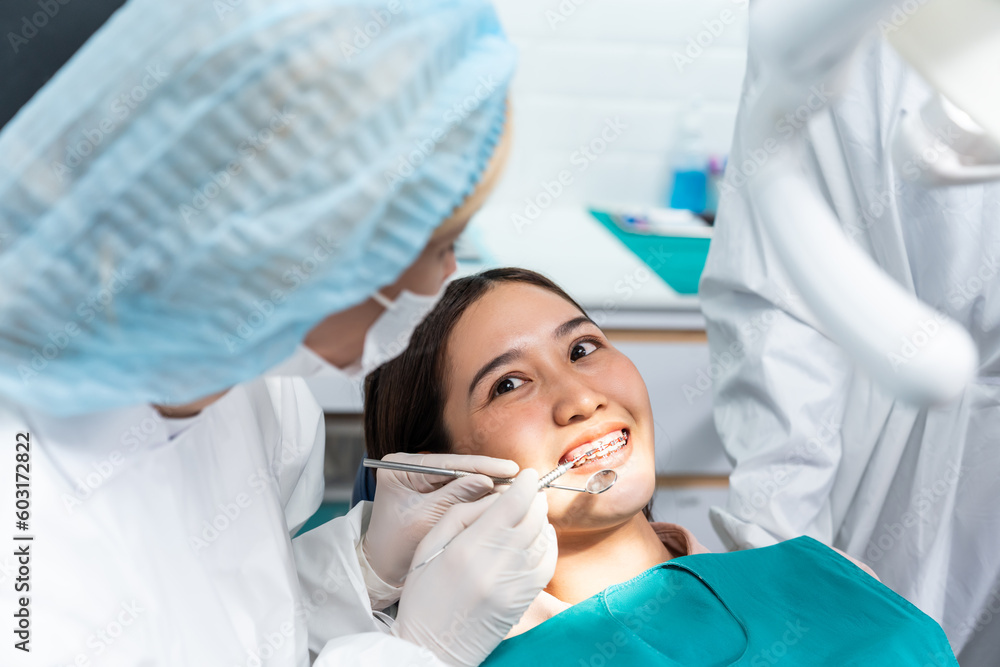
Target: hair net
205,181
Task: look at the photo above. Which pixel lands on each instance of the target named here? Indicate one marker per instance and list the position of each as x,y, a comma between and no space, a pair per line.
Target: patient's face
559,386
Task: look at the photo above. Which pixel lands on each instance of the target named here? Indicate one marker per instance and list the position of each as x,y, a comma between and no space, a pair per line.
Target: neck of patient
591,561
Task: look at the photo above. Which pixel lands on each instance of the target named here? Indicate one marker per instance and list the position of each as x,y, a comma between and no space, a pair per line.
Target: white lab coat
818,448
167,542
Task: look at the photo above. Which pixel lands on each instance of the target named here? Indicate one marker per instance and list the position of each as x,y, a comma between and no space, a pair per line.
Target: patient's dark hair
404,398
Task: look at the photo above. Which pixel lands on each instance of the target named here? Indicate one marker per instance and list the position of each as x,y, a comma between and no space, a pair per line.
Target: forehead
508,315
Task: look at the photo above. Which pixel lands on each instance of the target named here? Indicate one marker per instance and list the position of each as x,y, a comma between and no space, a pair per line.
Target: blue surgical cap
203,182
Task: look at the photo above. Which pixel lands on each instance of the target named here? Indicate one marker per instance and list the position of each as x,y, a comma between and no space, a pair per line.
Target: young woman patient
508,365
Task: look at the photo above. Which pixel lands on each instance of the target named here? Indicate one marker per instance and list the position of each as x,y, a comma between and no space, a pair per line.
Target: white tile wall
616,58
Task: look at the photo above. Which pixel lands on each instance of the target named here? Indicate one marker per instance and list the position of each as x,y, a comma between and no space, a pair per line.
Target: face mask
389,335
385,340
304,363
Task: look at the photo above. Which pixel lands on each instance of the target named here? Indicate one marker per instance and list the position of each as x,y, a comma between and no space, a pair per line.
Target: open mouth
597,449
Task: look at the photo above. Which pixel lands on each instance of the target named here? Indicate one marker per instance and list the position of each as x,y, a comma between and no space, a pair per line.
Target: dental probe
543,481
559,471
430,470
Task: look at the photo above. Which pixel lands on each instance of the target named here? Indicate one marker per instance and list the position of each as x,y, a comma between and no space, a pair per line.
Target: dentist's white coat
168,542
818,448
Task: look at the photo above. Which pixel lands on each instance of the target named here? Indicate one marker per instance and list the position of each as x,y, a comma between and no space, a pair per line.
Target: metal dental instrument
599,482
430,470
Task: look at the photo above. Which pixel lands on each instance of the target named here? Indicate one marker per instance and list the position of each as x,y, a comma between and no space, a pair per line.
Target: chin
627,498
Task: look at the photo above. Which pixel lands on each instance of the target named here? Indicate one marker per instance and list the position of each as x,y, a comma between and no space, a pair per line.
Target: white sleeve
297,448
375,649
779,385
338,587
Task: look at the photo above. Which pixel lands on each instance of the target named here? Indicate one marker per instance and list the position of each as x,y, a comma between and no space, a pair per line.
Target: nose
578,398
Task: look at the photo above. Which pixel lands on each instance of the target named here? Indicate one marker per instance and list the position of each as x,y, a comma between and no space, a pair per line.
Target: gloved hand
465,601
408,504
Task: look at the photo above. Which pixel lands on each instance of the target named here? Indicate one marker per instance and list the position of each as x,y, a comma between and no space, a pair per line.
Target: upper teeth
604,449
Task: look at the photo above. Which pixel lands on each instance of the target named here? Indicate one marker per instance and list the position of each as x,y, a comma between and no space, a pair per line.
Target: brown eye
581,350
507,384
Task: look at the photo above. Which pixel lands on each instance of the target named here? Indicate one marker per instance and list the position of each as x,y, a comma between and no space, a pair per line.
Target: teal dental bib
795,603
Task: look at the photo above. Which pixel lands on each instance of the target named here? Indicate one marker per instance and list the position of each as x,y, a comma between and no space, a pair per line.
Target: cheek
514,431
625,386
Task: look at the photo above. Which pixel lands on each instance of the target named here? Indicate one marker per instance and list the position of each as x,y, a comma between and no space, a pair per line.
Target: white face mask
385,340
304,363
389,335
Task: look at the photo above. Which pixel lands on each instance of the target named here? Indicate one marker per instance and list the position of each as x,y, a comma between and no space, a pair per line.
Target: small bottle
716,172
690,164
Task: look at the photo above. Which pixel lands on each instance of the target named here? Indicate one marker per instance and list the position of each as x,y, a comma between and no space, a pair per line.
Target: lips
599,447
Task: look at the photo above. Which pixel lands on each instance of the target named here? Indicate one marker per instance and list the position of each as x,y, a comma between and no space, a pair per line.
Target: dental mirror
599,482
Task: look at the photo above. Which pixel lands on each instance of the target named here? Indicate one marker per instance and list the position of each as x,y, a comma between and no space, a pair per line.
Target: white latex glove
408,504
465,601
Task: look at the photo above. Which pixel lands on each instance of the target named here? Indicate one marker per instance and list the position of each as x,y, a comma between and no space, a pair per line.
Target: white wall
613,58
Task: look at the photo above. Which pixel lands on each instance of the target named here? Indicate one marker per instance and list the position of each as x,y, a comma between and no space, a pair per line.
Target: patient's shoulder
678,540
544,607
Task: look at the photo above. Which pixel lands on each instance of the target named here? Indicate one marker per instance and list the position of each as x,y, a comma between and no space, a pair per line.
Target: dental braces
596,453
603,450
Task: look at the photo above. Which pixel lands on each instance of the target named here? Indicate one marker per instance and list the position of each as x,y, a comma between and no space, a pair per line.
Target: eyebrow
498,361
514,354
572,325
